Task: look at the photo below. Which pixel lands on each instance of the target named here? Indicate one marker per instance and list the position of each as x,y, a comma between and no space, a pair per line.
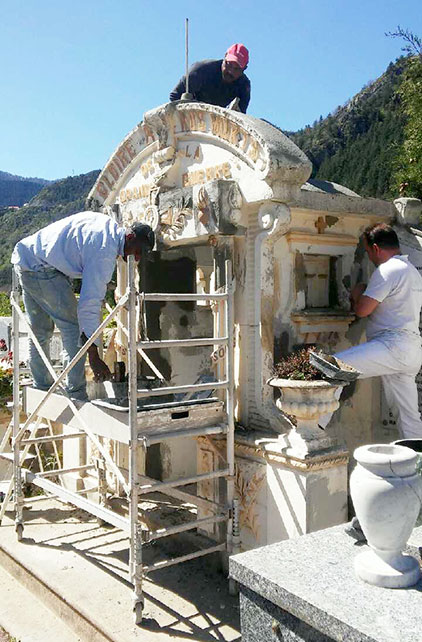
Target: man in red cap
219,82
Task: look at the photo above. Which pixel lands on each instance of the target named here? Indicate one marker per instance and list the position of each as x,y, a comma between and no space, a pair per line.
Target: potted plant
305,395
6,383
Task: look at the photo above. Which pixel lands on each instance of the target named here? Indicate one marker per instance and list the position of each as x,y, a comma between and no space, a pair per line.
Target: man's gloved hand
99,368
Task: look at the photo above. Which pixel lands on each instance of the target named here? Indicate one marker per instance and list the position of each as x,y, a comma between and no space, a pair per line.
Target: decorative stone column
273,221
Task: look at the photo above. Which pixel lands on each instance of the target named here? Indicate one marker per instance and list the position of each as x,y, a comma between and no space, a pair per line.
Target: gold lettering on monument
149,134
223,128
236,136
188,152
123,157
134,193
148,168
253,150
207,174
192,121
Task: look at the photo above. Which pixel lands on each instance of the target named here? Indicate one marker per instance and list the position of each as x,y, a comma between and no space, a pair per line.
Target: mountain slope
17,190
53,202
357,145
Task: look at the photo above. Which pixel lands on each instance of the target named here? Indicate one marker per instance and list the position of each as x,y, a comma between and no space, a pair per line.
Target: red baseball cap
238,53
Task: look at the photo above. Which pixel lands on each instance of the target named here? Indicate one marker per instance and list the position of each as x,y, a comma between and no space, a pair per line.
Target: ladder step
149,440
32,426
61,437
173,530
159,486
183,558
156,392
183,343
10,456
186,296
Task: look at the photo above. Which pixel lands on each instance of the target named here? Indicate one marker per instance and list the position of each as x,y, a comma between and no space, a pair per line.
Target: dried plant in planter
297,366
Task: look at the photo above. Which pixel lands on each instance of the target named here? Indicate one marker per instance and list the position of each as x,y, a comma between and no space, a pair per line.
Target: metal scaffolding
141,430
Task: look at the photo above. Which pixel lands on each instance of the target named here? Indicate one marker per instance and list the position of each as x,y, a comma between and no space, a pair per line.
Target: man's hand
99,368
356,293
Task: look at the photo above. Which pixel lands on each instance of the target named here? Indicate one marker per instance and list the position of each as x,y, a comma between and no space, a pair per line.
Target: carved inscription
222,128
134,193
236,136
124,155
208,174
190,120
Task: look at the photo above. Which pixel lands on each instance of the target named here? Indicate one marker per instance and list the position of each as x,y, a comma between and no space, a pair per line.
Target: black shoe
354,530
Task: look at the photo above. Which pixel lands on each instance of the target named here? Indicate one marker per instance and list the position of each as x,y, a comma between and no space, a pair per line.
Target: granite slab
312,578
263,621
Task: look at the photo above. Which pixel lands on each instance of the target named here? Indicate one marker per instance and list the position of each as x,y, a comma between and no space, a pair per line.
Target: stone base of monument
306,590
281,495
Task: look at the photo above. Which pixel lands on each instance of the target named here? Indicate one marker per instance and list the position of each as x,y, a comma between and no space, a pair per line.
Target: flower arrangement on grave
6,374
305,395
297,366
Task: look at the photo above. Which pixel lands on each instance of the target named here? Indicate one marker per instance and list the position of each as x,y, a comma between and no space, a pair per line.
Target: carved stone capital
274,218
409,210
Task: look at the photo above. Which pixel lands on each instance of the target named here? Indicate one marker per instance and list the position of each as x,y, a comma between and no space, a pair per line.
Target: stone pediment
189,170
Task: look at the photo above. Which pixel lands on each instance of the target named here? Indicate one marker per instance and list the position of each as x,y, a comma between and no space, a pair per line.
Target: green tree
407,178
5,307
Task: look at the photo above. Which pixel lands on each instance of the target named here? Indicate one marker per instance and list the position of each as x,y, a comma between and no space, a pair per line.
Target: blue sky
77,75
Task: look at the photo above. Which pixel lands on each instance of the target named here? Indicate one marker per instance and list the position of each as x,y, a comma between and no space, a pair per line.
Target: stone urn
416,445
386,493
307,401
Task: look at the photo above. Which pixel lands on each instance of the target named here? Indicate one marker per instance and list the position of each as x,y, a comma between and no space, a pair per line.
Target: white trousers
397,360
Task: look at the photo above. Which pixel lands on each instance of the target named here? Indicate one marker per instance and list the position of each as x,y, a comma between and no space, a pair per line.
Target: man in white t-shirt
392,301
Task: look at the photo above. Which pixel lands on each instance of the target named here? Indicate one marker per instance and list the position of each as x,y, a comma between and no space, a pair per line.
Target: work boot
354,530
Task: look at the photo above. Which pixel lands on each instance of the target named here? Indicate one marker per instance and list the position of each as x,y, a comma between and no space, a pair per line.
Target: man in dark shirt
219,82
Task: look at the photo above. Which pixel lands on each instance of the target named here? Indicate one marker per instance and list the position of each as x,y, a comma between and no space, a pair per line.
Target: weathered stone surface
254,143
409,210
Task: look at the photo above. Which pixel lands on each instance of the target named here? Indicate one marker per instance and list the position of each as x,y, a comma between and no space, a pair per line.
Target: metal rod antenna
186,95
187,53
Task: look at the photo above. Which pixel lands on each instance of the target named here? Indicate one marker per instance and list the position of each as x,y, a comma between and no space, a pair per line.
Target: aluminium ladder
140,434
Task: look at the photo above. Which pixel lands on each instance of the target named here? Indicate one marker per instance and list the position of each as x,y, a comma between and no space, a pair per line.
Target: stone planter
386,494
307,401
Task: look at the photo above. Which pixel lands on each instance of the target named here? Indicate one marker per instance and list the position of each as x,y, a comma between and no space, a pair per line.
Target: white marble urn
307,401
386,494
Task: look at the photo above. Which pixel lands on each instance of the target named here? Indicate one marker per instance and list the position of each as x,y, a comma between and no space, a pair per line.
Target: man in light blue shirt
83,246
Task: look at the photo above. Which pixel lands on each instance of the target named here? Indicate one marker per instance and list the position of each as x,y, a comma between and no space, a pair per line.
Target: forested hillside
358,144
54,202
16,190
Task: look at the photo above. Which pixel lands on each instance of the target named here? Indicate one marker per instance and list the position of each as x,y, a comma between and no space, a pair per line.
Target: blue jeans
49,300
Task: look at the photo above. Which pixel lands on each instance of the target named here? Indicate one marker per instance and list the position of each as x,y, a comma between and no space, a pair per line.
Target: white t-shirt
397,285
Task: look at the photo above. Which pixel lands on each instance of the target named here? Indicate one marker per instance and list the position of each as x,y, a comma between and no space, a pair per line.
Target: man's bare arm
362,305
